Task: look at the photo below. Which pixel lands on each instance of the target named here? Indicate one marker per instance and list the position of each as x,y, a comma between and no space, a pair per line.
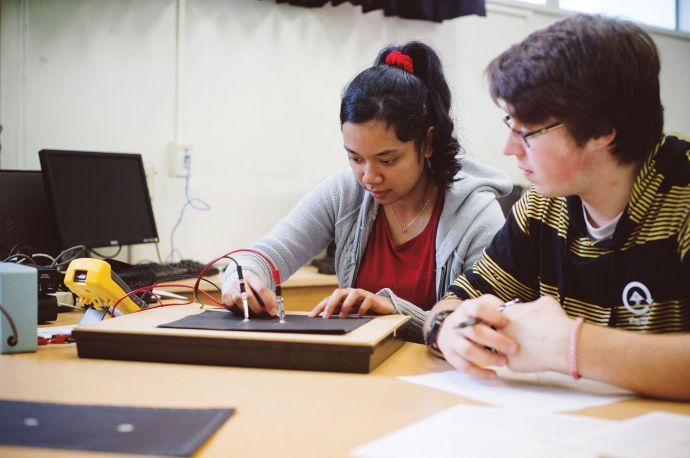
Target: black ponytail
408,102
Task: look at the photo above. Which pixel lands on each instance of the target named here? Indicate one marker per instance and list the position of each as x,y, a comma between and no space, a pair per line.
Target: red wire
275,273
149,288
111,309
274,270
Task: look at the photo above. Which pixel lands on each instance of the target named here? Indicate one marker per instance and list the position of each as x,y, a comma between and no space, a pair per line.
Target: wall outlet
179,155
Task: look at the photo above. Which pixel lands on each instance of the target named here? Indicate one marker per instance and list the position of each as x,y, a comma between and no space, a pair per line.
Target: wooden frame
136,337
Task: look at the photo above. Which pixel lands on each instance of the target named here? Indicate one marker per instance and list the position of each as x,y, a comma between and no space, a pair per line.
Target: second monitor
99,199
26,221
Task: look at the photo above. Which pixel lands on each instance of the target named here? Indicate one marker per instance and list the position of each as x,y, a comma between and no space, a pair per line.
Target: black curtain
428,10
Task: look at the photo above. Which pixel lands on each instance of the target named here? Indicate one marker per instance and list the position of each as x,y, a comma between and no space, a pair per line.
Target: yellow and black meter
94,282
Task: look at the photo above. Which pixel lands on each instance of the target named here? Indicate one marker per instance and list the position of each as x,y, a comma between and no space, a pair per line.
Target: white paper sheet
50,331
540,392
656,434
477,431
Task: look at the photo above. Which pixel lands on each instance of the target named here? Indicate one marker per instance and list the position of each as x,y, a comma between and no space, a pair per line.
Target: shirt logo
637,300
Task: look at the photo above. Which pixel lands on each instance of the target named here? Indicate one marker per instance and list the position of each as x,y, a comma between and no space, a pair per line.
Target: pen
474,321
508,304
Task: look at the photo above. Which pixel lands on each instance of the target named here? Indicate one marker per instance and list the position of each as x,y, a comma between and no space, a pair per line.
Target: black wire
18,248
196,296
196,290
25,252
43,255
14,338
180,276
79,249
20,256
177,277
119,249
158,253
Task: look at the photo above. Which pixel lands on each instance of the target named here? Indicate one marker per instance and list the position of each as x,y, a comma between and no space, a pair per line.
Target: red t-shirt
409,270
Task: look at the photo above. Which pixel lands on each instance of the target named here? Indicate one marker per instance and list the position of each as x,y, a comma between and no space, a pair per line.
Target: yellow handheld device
94,282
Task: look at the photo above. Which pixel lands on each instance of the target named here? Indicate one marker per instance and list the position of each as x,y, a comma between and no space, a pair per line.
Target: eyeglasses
525,136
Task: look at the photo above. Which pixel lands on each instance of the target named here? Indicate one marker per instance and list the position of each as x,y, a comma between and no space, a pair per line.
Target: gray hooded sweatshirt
339,209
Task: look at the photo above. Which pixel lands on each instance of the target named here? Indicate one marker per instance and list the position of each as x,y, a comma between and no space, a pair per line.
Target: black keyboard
141,275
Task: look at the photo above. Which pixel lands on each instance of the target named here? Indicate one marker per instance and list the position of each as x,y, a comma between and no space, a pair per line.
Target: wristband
434,328
572,349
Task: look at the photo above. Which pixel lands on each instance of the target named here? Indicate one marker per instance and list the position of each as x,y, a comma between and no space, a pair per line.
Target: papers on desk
536,392
489,431
473,431
525,423
654,434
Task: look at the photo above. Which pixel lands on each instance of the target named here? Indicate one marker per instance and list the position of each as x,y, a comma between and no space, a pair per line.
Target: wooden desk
301,292
279,413
306,288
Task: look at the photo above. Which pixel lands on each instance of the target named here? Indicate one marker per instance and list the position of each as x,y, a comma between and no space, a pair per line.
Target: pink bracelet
572,350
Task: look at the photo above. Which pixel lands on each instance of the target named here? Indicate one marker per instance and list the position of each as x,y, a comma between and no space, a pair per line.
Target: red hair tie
398,59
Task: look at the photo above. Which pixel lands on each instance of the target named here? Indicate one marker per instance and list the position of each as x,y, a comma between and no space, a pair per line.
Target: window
684,15
659,13
666,14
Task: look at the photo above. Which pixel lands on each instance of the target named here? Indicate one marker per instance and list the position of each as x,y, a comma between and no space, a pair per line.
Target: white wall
252,85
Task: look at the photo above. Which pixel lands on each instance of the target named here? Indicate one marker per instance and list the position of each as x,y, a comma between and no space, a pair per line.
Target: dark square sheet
226,321
148,431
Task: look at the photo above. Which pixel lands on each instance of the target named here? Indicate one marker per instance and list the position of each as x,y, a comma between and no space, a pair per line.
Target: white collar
603,232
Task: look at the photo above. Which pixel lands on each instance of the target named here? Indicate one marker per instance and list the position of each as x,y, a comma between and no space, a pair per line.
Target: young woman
407,217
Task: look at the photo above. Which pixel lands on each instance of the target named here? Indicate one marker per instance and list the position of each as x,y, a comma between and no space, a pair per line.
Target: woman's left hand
347,300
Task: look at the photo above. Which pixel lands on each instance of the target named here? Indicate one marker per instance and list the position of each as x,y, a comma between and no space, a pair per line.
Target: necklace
419,213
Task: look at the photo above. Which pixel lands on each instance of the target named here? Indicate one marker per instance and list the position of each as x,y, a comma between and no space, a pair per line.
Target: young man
602,236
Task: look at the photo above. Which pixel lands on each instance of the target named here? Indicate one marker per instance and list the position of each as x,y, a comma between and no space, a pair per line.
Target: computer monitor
99,199
25,217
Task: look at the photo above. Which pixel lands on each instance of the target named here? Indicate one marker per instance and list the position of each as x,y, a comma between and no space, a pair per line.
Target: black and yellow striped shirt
638,280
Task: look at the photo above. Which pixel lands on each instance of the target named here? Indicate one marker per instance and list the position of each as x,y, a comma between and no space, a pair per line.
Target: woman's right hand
260,298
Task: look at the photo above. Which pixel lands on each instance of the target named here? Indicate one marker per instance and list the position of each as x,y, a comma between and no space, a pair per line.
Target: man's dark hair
591,72
408,102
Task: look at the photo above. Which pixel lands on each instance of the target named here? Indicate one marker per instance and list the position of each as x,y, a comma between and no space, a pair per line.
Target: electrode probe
243,292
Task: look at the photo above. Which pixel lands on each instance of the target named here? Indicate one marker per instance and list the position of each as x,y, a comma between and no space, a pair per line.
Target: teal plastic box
19,299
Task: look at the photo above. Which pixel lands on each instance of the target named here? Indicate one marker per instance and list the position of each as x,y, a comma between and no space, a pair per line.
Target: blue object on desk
19,299
150,431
